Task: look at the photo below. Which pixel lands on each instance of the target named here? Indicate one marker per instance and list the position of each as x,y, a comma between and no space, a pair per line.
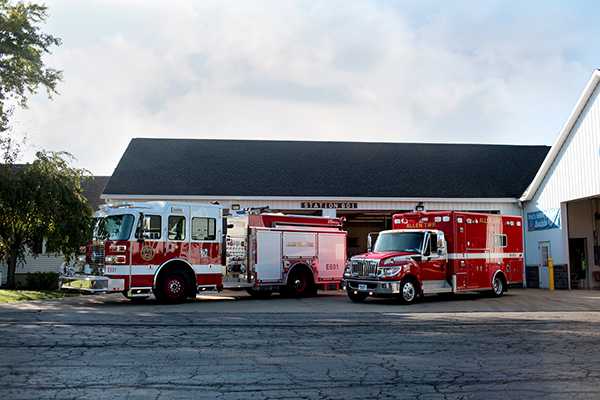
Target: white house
50,261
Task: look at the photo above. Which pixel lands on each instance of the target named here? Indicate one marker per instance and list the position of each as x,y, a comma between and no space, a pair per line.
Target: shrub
41,281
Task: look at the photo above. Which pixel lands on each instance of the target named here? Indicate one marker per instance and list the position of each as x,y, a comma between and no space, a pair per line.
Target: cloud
488,72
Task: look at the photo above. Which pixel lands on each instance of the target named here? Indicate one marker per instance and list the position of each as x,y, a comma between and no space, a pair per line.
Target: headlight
389,271
81,259
115,260
348,269
394,261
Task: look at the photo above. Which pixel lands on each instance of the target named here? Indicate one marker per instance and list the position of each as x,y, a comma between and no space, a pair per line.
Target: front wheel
408,292
356,296
498,287
172,288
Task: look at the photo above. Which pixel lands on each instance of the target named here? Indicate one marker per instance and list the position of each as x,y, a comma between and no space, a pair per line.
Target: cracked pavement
103,347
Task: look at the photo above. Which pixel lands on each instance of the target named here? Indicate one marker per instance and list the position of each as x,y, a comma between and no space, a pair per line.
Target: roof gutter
562,137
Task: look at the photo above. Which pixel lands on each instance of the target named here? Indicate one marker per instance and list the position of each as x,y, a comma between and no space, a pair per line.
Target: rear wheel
498,286
356,296
408,292
300,284
172,288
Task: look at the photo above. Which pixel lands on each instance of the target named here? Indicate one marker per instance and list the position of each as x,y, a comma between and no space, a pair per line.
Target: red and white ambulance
176,250
439,252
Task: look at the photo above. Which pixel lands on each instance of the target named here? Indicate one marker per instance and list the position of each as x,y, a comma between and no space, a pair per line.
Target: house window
204,228
176,227
38,245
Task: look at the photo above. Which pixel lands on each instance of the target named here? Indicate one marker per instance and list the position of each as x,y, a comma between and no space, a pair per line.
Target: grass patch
9,296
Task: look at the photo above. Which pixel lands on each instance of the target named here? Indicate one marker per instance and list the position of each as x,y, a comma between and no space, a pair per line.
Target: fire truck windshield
410,242
114,227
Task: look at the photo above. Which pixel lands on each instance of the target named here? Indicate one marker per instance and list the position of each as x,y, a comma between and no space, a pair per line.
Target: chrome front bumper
91,283
373,288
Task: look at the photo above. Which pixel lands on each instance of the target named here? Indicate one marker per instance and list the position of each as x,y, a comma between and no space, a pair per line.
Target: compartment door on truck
477,253
299,244
332,256
458,249
268,256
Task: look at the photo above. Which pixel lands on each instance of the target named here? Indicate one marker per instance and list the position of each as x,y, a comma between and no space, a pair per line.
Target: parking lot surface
528,344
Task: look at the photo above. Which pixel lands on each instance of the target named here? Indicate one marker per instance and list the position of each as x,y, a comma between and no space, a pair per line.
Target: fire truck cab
175,250
439,252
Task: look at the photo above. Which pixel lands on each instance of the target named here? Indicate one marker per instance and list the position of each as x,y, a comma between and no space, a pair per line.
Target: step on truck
439,252
176,250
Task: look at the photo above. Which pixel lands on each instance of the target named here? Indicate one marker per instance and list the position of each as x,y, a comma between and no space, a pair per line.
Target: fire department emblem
147,253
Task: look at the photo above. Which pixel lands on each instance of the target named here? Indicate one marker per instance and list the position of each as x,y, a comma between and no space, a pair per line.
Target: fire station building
562,205
364,182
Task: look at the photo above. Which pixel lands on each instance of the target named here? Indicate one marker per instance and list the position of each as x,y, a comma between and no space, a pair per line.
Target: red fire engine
439,252
175,250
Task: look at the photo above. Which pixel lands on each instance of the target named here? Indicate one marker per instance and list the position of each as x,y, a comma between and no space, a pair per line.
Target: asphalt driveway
528,344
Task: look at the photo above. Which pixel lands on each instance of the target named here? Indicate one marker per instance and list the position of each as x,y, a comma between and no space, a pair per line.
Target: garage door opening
583,243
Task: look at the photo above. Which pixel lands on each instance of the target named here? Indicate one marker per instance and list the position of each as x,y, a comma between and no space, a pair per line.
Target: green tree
43,199
22,69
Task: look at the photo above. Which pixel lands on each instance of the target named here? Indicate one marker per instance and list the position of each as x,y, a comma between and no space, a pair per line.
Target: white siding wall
42,263
575,174
508,208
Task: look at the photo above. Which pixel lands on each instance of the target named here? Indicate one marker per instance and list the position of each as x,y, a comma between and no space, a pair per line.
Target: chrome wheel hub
408,291
175,286
497,286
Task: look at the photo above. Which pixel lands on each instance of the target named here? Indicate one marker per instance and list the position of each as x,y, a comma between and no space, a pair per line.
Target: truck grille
364,268
97,259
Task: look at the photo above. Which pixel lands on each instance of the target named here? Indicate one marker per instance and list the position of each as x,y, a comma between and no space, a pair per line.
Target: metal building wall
575,174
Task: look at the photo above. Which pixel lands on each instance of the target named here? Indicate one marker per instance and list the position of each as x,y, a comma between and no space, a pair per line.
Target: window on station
176,227
204,228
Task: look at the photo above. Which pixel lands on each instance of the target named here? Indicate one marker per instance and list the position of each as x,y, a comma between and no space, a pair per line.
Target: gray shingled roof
341,169
93,188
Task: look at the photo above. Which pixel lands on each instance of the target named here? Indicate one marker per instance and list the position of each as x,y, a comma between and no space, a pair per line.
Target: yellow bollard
550,273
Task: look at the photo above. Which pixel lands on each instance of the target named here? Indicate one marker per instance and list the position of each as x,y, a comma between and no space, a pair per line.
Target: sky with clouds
388,71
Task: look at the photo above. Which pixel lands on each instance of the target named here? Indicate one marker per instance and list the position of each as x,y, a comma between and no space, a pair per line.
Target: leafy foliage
43,199
22,69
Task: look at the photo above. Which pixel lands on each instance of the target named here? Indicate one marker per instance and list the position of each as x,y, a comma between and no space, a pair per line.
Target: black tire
259,294
498,286
356,296
409,292
300,284
172,288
